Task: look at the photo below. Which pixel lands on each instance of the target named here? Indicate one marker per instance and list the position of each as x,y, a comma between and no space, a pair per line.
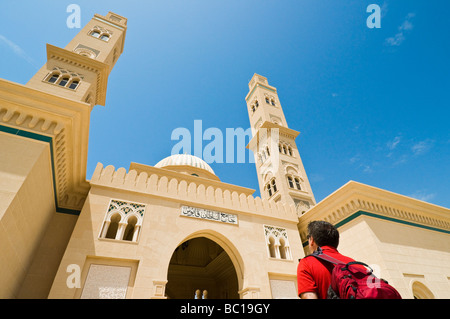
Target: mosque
175,230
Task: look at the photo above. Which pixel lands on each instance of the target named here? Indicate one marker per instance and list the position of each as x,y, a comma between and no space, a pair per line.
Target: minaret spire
80,71
281,174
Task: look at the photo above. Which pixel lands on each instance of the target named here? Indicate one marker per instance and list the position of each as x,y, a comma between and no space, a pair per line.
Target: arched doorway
201,264
420,291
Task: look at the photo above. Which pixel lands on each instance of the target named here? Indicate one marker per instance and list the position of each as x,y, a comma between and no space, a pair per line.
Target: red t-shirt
314,275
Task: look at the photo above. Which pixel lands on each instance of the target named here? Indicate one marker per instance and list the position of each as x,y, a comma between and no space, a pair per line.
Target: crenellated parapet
191,190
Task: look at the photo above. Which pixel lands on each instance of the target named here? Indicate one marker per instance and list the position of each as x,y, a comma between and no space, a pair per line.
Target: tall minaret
281,174
80,71
44,139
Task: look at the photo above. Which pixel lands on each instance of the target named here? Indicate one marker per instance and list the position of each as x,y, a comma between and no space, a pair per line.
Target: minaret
280,170
44,137
80,71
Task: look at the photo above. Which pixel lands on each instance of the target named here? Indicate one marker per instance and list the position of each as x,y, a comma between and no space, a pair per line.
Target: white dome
184,160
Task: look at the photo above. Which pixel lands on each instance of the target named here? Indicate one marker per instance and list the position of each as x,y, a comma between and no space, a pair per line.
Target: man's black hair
323,233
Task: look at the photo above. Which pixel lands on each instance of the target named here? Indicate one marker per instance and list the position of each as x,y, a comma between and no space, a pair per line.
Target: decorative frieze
209,215
276,232
126,207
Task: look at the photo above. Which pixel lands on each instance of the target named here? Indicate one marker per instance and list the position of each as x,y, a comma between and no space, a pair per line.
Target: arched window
267,150
53,78
420,291
104,37
64,81
95,34
74,84
113,226
115,229
274,185
123,221
284,149
277,242
290,181
273,102
282,249
68,81
290,151
279,147
297,184
294,182
267,100
254,106
272,247
130,229
269,189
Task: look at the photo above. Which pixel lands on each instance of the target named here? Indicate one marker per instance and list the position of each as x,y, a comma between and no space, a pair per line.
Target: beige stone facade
175,230
176,208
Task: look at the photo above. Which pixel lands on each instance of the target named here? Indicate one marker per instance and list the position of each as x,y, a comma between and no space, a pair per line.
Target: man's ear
313,244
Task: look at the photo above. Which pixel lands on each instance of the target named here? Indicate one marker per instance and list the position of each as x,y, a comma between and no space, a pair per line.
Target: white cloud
393,144
396,40
355,159
16,49
367,169
405,27
402,159
360,164
422,147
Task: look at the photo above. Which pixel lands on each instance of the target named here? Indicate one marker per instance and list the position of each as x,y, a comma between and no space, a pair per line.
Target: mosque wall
260,238
26,207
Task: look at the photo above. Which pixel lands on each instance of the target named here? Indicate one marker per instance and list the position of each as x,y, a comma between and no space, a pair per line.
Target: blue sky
372,105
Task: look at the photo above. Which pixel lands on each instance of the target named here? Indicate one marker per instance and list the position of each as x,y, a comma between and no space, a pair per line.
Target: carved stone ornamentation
209,215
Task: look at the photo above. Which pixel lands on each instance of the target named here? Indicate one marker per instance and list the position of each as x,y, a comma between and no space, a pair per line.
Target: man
313,274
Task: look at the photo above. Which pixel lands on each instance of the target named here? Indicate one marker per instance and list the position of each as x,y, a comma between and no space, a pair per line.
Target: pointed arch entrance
200,267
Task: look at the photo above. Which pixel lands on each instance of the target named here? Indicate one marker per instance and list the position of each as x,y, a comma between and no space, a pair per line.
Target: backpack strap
319,254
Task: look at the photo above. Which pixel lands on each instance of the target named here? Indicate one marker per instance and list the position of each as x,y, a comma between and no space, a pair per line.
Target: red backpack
351,281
